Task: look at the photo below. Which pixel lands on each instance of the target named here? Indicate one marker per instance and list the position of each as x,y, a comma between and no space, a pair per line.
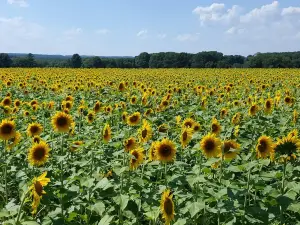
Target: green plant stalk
21,206
282,192
248,189
5,173
61,177
166,179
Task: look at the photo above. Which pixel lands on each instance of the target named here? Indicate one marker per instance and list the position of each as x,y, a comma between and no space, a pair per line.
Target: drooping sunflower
97,107
137,158
37,190
268,106
264,147
91,116
7,129
134,119
62,122
215,127
165,150
145,132
186,136
188,122
253,109
14,141
124,117
106,133
167,206
130,144
34,129
76,145
38,154
287,147
236,118
230,149
211,145
151,154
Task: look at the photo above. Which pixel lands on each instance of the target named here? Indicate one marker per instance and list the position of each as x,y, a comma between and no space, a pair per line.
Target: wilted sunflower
130,144
137,158
287,147
34,129
264,147
211,145
62,122
167,206
14,141
134,119
186,136
38,154
215,127
91,116
165,151
106,133
37,190
7,129
145,132
230,149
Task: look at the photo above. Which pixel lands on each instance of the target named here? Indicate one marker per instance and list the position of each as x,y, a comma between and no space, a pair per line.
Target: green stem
166,179
61,177
21,206
5,173
248,185
282,192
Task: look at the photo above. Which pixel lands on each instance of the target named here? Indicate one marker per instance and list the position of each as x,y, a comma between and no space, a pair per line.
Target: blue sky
128,27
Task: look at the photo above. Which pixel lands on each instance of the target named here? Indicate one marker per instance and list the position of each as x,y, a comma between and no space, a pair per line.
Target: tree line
207,59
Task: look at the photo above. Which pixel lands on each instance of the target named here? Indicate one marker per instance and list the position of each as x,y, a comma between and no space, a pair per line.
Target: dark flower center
209,145
6,129
168,206
38,188
62,121
39,153
133,118
165,150
144,133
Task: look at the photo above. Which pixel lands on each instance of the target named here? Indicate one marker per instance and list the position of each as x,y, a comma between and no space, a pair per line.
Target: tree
142,60
76,61
92,62
5,60
31,60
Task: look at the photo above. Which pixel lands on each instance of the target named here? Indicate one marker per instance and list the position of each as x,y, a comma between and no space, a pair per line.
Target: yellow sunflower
186,136
36,139
167,206
34,129
151,154
90,116
230,149
7,129
38,154
134,119
264,147
215,127
137,158
165,151
124,117
287,147
106,133
268,106
163,128
130,144
196,127
76,145
6,101
62,122
14,141
97,107
37,190
236,118
188,122
211,146
295,116
253,109
145,132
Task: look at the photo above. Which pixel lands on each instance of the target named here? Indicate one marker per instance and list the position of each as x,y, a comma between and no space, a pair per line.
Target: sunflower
124,117
145,132
268,106
97,107
288,100
230,149
165,150
34,129
211,145
121,86
6,101
178,119
293,133
38,154
134,119
75,145
186,136
148,112
295,116
67,105
265,147
215,127
37,190
167,206
253,109
130,144
7,129
106,133
188,122
17,103
236,131
62,122
137,158
236,118
133,100
223,113
36,139
287,147
151,154
196,127
7,110
14,141
90,116
108,109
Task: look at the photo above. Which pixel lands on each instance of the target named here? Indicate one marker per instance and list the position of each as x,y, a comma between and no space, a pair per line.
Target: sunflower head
106,133
167,206
90,116
287,147
145,132
215,126
236,118
152,154
34,129
134,119
14,141
211,145
62,122
186,136
264,147
137,158
230,149
7,129
76,145
268,105
130,144
165,151
188,122
6,101
253,109
97,107
38,154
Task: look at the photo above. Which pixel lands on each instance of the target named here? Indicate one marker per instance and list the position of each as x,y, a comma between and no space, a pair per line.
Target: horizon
117,28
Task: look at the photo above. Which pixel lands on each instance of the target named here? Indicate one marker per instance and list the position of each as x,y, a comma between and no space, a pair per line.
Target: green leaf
99,208
180,222
196,207
87,182
295,207
152,215
122,201
106,220
30,223
103,184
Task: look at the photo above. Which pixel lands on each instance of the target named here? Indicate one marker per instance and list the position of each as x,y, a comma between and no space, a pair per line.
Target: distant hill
44,56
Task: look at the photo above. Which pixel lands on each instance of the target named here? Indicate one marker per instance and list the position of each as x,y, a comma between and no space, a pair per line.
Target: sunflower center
133,118
268,104
6,129
253,109
209,145
168,206
39,153
38,188
262,147
144,133
214,128
165,150
6,102
184,136
62,121
136,155
106,133
188,124
34,129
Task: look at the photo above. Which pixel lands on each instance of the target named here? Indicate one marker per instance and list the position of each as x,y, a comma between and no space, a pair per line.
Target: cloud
290,11
20,3
142,34
102,31
187,37
235,30
161,36
72,33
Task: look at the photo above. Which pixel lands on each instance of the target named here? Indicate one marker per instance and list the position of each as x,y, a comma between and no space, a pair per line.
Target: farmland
149,146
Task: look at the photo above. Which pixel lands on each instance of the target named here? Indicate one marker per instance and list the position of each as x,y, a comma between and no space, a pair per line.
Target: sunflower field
152,146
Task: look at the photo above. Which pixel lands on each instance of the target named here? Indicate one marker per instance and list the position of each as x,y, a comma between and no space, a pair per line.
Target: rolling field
149,146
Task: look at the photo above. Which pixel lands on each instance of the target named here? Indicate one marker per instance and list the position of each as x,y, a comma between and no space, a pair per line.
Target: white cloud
290,11
102,31
21,3
187,37
216,12
161,36
235,30
72,33
142,34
